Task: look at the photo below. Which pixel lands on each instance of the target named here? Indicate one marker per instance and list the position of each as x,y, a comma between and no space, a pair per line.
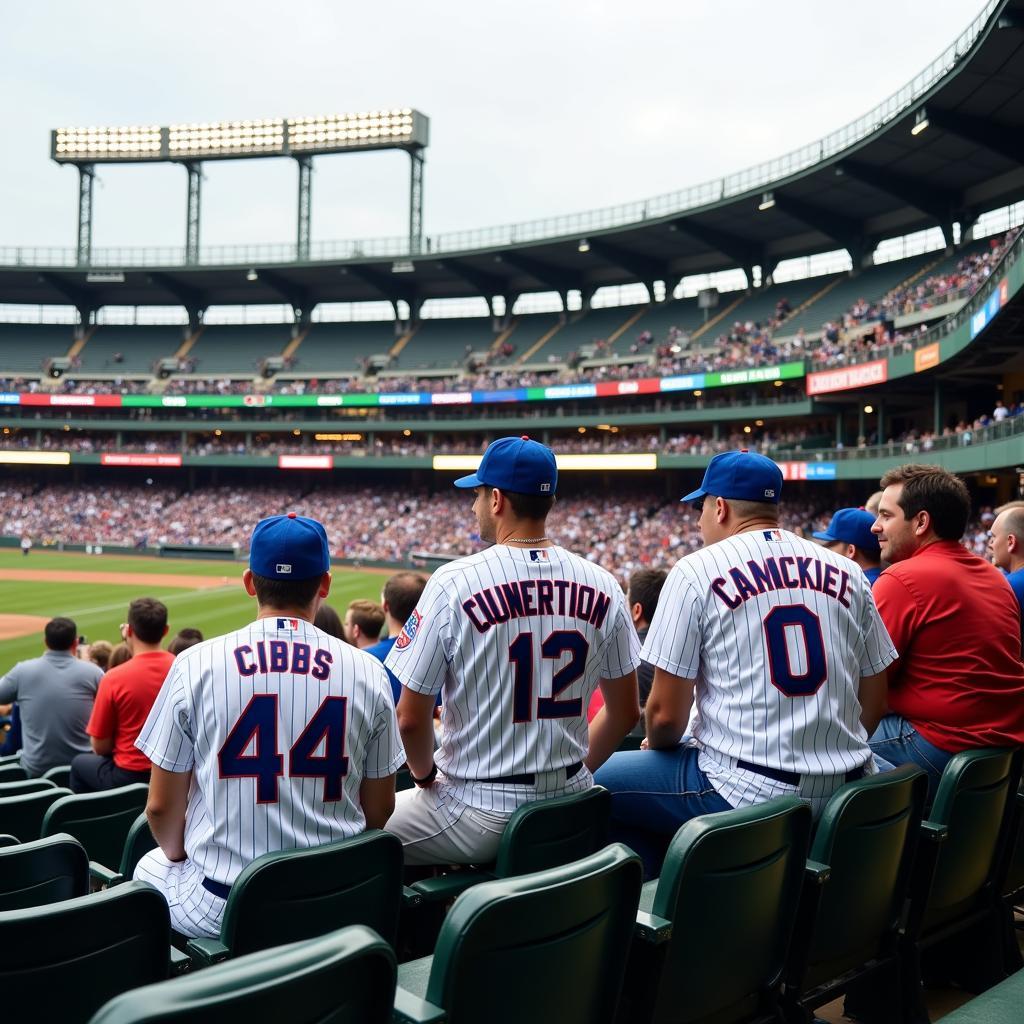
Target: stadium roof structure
945,148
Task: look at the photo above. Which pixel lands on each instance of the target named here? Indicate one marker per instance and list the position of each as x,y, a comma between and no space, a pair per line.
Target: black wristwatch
427,779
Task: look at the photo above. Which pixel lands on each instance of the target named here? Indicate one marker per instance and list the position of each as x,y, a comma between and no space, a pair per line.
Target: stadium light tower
301,138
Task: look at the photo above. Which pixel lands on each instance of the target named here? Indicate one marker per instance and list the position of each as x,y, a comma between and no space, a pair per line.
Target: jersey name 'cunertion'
777,632
516,640
280,722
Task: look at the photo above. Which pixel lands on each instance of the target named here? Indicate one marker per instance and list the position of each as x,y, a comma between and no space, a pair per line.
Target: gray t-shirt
55,694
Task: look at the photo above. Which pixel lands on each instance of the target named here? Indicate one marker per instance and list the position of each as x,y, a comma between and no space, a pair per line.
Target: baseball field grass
95,592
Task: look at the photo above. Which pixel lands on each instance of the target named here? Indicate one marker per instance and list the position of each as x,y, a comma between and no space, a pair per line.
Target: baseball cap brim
694,495
469,481
823,535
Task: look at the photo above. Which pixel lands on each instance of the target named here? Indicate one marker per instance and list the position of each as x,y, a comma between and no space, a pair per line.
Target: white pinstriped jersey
518,640
280,722
777,631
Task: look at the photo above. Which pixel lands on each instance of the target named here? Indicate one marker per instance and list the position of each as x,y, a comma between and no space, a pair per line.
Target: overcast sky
537,108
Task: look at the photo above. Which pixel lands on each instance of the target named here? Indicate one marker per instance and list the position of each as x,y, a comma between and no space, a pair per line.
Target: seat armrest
410,897
181,963
650,928
934,832
447,887
816,872
410,1009
205,952
104,875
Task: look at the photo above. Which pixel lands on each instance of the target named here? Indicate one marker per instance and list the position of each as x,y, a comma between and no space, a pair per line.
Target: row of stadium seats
445,343
753,917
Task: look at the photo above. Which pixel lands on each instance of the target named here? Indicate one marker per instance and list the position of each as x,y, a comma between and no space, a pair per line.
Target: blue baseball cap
515,464
289,547
743,476
852,526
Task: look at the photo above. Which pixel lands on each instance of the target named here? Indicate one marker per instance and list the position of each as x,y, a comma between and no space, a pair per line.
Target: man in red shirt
959,680
123,702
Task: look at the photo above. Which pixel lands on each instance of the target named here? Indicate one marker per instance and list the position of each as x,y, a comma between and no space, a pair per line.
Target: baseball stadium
764,765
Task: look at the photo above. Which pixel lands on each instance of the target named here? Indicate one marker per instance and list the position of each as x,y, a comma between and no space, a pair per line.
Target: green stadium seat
99,821
344,977
14,758
855,888
136,845
62,962
543,948
957,916
59,776
25,786
6,840
541,834
43,871
12,772
22,816
1001,1004
290,895
711,940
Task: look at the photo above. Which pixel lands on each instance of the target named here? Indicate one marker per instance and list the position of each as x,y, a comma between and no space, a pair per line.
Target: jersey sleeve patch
409,631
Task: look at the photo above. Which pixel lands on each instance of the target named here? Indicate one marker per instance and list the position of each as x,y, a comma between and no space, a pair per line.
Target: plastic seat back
60,775
291,895
62,962
99,821
974,802
25,786
546,833
867,836
544,947
43,871
739,874
344,977
22,816
137,844
12,772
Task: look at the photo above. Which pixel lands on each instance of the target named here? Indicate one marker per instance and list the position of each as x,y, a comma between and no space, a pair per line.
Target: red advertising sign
305,462
67,401
131,459
864,374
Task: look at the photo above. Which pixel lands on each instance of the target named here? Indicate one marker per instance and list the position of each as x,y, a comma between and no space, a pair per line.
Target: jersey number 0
266,765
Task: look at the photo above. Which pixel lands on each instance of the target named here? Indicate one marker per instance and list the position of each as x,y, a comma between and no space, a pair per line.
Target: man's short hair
275,593
148,618
932,489
751,509
1017,503
368,616
1013,523
645,589
530,506
184,639
402,593
60,634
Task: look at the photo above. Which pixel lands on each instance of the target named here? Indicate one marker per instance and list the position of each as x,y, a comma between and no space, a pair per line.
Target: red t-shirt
123,702
956,625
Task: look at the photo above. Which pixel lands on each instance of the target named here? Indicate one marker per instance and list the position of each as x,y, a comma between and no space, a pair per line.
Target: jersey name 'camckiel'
519,599
788,572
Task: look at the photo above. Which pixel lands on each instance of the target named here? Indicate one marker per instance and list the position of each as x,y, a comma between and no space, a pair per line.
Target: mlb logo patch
283,568
408,633
775,535
287,623
545,488
769,492
539,556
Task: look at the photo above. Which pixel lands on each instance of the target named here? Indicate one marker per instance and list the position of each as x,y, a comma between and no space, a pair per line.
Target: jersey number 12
266,764
558,643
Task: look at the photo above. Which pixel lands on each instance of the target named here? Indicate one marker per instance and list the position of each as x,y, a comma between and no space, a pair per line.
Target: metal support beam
994,137
937,407
939,204
86,177
295,295
548,277
487,285
742,250
66,289
305,207
195,184
416,158
849,233
642,268
189,297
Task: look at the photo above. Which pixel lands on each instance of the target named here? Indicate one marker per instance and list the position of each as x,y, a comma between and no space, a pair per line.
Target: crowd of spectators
623,531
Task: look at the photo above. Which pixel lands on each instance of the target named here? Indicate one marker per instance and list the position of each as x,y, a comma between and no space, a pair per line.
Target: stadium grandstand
843,309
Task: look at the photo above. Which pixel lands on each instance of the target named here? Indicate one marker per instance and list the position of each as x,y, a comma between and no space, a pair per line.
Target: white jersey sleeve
423,666
621,652
168,737
673,641
879,651
384,751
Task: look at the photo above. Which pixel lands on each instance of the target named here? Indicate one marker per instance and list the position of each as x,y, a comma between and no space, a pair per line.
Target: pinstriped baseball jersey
280,722
777,632
518,640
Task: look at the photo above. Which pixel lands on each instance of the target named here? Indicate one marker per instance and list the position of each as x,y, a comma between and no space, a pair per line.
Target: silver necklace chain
525,540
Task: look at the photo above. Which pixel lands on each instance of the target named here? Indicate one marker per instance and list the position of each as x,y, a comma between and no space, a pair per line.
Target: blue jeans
897,742
653,793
